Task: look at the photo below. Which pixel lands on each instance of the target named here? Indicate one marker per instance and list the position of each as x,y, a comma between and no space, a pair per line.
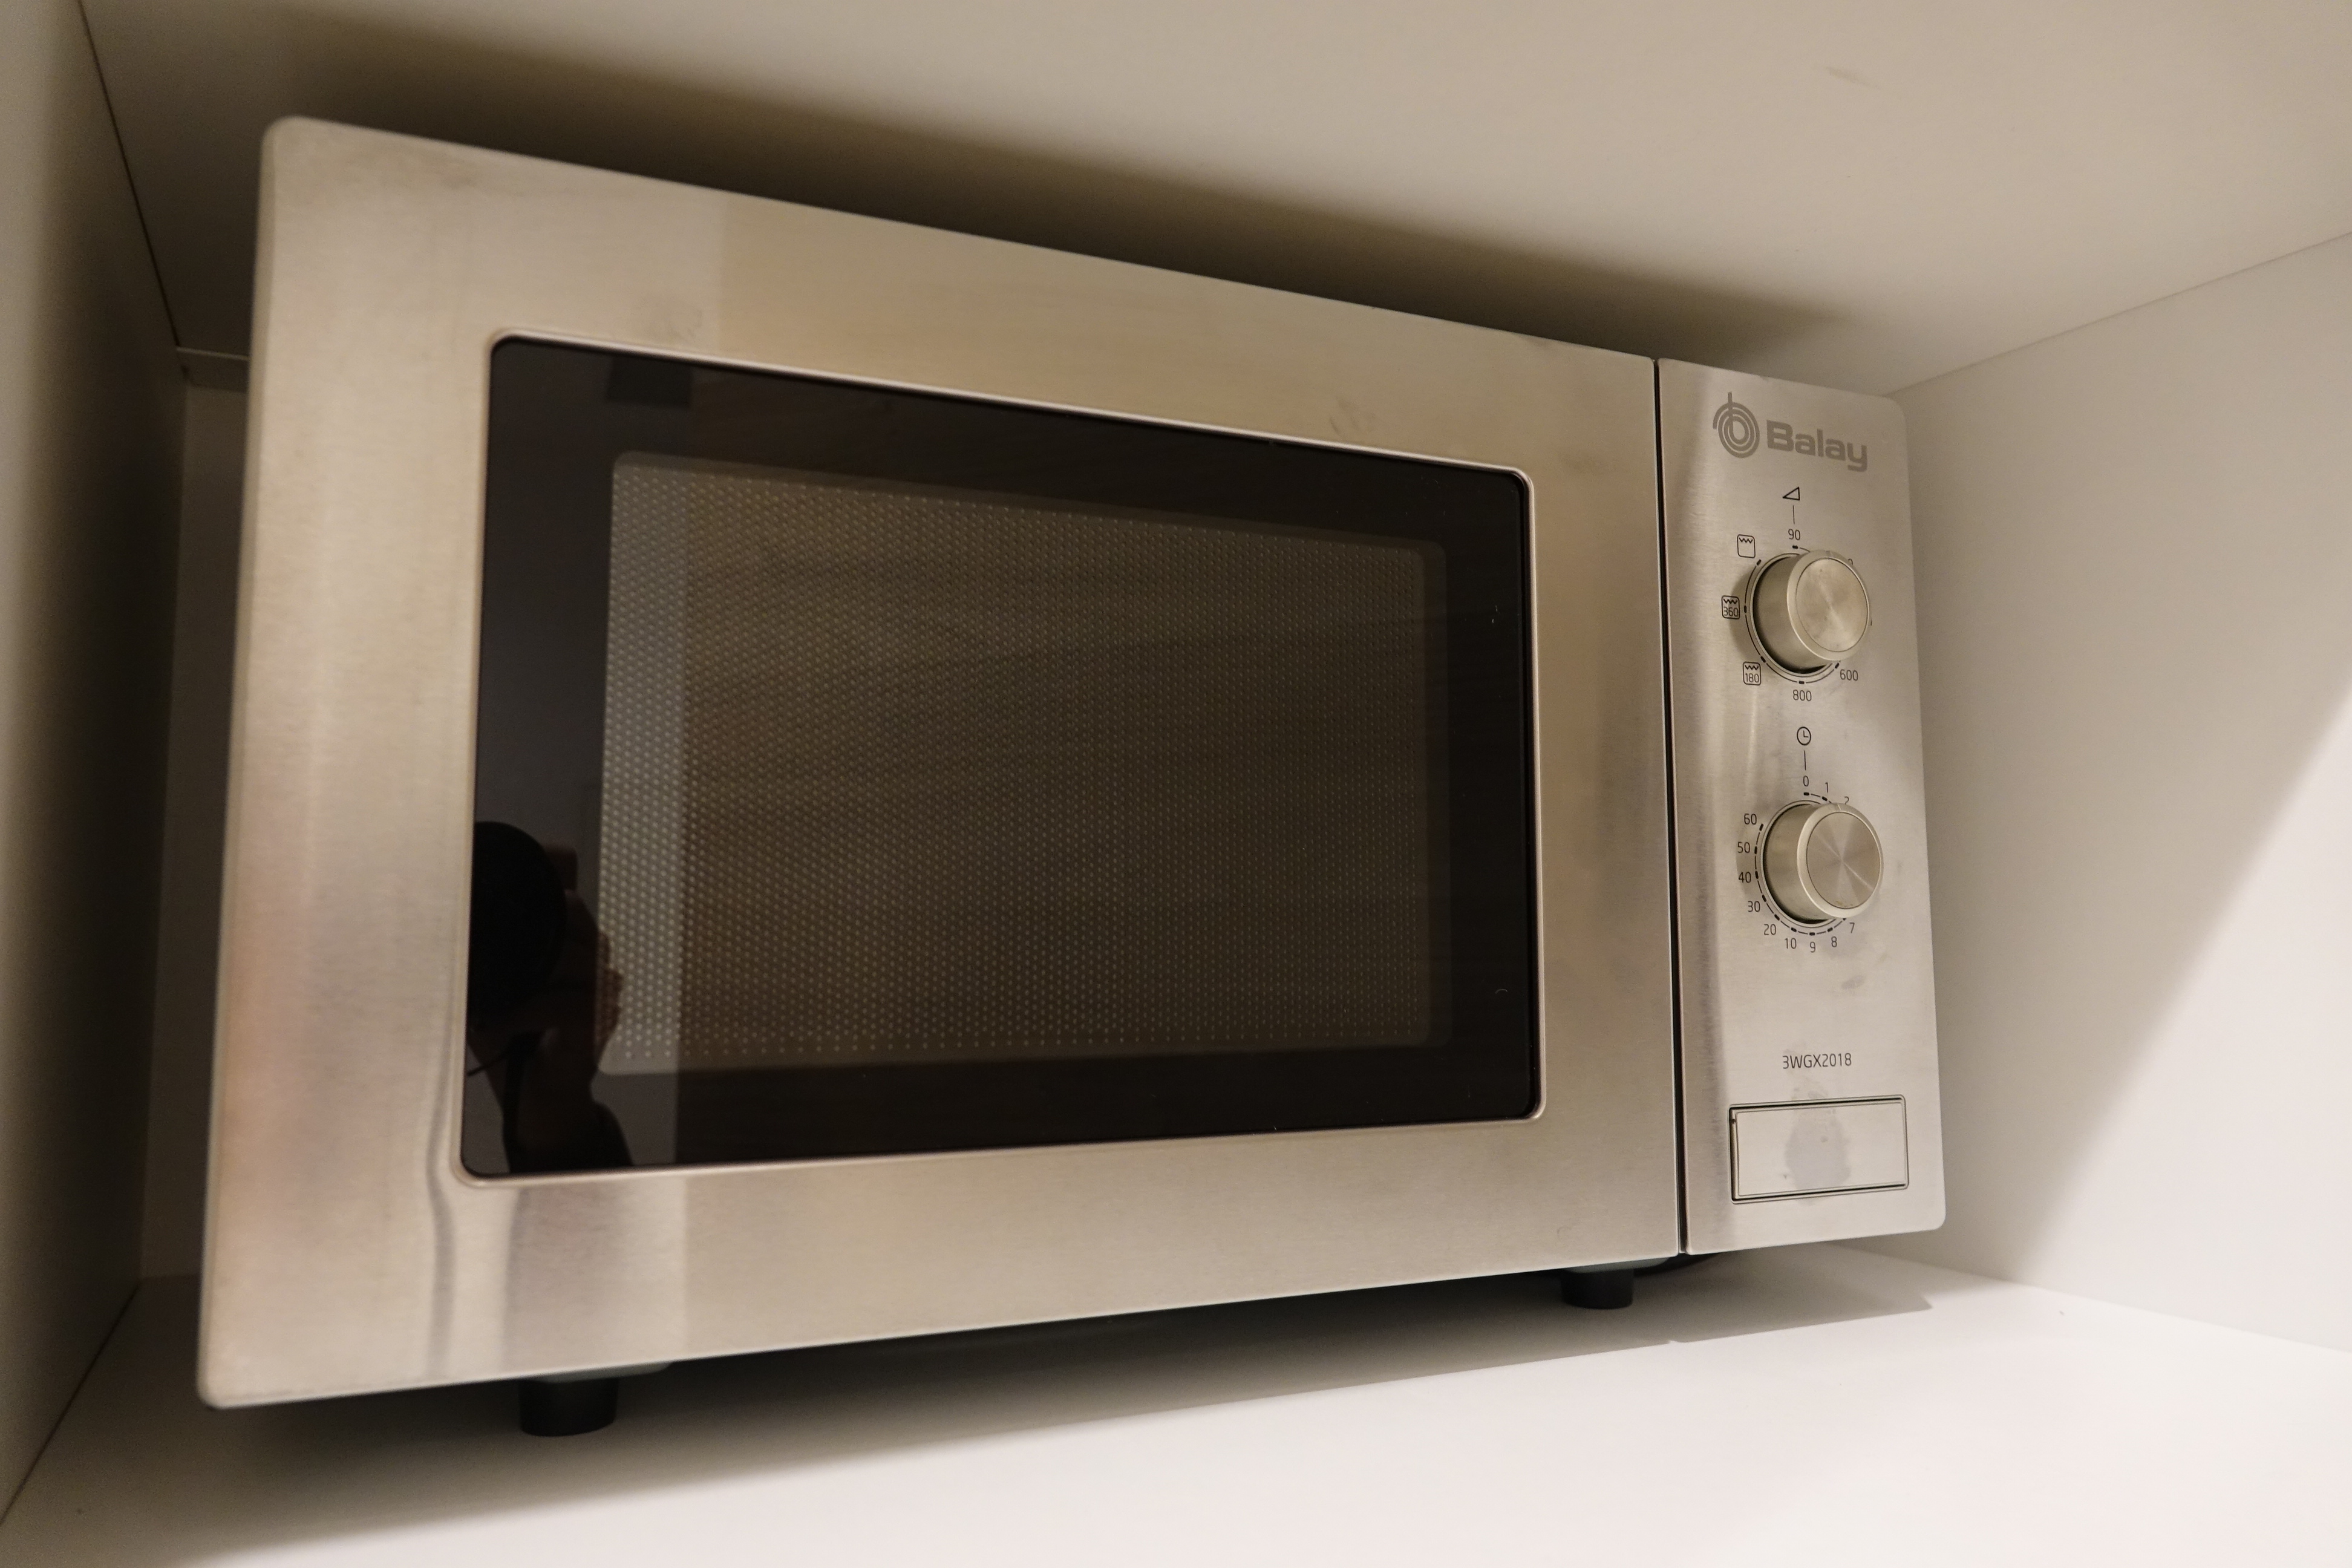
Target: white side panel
90,404
2135,552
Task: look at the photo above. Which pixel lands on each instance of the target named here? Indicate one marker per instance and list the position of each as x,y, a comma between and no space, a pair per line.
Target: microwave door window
900,774
864,772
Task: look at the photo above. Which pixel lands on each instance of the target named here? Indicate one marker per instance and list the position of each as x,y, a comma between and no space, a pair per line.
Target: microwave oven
798,778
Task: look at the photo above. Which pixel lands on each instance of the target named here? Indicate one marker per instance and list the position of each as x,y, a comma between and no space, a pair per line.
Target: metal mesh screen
899,773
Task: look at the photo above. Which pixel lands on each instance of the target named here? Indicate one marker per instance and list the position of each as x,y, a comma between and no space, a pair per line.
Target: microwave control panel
1807,985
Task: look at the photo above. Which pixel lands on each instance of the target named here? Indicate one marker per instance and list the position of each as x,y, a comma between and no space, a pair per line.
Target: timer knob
1822,862
1810,610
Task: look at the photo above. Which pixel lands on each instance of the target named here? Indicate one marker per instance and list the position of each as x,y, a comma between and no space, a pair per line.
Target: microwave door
866,771
780,760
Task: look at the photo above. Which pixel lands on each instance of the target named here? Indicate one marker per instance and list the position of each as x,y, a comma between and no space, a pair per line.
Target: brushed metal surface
347,1248
1754,469
1814,1146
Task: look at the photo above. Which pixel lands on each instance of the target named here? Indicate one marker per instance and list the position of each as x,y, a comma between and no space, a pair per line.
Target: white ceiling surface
1851,191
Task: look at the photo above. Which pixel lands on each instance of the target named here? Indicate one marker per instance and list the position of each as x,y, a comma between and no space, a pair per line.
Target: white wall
88,407
2134,568
1861,194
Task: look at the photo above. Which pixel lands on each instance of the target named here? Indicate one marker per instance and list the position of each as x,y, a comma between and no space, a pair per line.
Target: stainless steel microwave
798,778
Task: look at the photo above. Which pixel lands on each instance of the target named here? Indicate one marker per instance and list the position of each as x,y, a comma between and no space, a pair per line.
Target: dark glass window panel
928,774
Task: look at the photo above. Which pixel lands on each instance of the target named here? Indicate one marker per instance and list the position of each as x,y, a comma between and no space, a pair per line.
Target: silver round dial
1822,862
1810,610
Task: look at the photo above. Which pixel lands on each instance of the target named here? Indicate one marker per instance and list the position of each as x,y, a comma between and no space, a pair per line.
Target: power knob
1822,862
1810,611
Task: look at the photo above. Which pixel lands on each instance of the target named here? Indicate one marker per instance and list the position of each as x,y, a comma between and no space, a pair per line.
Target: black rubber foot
567,1409
1602,1289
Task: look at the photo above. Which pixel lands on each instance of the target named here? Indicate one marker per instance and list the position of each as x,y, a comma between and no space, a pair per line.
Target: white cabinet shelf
1823,1405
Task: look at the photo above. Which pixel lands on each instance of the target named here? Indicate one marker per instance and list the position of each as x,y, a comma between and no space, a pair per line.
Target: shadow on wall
195,813
305,62
2137,671
88,415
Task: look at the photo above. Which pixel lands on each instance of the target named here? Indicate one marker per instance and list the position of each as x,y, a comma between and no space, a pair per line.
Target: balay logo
1735,427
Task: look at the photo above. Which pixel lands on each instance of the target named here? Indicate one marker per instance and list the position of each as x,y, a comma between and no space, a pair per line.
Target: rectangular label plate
1818,1146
